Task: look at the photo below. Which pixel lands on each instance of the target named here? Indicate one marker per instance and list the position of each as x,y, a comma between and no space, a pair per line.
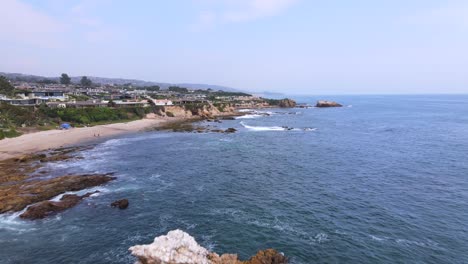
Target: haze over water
382,180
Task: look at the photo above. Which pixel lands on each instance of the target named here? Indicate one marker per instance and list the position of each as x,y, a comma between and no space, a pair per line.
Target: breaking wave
262,128
275,128
250,116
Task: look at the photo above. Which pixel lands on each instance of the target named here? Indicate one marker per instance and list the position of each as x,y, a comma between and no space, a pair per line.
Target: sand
51,139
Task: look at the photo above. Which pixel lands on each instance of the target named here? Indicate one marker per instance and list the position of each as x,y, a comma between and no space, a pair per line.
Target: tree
178,89
65,79
111,103
85,81
5,87
46,81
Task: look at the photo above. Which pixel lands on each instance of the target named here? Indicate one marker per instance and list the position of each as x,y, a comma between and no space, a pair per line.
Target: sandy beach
51,139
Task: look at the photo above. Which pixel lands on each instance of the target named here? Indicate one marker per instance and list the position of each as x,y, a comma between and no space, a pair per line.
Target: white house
163,102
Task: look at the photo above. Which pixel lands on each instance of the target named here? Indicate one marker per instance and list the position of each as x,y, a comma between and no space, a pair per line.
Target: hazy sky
292,46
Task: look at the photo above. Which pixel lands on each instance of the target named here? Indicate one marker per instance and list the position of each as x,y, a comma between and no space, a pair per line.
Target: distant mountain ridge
122,81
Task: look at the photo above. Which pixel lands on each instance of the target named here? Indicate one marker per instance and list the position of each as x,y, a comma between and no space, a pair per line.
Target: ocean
383,179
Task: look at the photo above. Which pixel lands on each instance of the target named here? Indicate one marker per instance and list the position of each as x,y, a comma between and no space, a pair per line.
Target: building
163,102
24,102
44,95
78,104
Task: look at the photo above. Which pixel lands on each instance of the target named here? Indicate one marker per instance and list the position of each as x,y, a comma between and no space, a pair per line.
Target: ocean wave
249,116
276,128
262,128
12,222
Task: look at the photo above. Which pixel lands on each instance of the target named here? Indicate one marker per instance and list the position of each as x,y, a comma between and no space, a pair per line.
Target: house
44,95
163,102
24,102
131,103
78,104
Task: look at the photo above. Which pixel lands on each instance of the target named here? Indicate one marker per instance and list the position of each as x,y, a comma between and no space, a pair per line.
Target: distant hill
121,81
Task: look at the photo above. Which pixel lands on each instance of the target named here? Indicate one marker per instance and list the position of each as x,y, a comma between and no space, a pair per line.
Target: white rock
177,247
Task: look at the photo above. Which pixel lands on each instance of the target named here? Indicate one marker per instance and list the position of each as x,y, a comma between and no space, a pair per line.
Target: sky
289,46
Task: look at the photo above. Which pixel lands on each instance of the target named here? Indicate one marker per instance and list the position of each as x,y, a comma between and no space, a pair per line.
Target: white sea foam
376,238
275,128
321,237
262,128
250,116
12,222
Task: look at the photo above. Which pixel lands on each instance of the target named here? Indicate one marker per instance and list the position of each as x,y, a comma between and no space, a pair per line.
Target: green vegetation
5,87
220,107
65,79
14,117
178,89
47,81
152,88
88,116
85,81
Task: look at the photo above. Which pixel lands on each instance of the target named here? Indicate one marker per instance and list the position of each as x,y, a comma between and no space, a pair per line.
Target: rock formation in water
178,247
323,103
15,195
46,208
287,103
121,204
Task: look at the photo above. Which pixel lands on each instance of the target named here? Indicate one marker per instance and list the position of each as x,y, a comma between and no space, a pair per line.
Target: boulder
230,130
173,248
121,204
46,208
178,247
323,103
269,256
20,194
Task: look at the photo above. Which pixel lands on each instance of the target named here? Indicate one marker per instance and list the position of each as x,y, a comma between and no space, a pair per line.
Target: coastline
53,139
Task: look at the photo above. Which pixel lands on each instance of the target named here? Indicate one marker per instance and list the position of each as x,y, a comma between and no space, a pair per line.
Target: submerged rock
323,103
178,247
121,204
230,130
47,208
17,195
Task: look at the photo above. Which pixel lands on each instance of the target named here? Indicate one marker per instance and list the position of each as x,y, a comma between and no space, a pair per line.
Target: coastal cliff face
178,247
197,110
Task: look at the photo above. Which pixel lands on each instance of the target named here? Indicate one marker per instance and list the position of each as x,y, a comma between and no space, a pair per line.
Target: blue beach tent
65,126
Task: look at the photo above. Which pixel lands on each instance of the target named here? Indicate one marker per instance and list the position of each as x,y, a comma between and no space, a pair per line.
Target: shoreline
36,142
53,139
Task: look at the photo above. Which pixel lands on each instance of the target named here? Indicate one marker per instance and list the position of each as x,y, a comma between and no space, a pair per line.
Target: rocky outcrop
15,196
121,204
323,103
46,208
206,110
175,247
230,130
287,103
178,247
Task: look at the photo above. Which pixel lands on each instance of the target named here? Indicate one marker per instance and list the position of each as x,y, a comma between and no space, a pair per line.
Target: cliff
178,247
196,110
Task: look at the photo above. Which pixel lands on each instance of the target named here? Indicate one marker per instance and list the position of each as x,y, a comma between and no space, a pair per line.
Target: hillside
121,81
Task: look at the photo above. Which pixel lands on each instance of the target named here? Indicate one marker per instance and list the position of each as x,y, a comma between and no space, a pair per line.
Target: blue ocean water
382,180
